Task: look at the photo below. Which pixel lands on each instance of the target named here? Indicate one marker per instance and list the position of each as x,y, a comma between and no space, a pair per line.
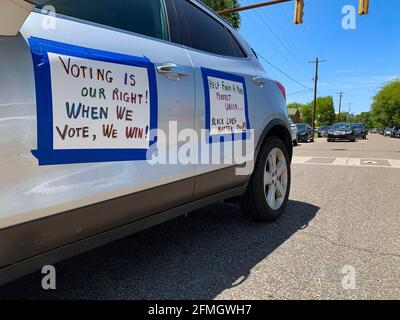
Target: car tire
266,182
296,142
365,137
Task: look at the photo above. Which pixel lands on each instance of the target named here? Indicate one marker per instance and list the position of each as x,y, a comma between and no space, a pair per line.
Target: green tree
216,5
385,110
325,111
365,118
344,116
306,113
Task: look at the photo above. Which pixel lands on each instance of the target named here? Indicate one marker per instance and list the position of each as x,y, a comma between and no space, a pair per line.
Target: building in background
294,114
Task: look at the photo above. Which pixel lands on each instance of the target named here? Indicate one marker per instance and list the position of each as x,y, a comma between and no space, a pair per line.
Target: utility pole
349,111
340,103
317,62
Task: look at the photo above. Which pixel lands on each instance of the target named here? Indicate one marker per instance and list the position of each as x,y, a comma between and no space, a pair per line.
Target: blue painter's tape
45,152
231,77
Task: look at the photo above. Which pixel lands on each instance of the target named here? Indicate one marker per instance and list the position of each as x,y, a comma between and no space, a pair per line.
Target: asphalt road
343,216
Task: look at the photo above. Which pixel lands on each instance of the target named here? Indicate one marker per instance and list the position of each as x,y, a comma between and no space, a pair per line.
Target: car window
207,34
343,126
144,17
237,50
301,126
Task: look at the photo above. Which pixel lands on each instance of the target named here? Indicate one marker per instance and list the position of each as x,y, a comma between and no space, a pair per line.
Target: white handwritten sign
227,106
98,104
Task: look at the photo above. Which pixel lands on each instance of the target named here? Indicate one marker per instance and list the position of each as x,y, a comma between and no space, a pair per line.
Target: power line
312,40
269,41
284,73
298,92
301,54
281,42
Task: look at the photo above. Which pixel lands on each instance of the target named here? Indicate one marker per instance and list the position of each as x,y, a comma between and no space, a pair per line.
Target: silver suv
92,93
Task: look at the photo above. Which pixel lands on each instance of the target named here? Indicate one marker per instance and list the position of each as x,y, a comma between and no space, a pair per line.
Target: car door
216,54
131,30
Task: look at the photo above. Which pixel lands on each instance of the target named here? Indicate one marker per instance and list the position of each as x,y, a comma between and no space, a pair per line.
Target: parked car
294,132
323,131
387,132
78,105
342,131
397,134
377,131
361,131
304,132
394,131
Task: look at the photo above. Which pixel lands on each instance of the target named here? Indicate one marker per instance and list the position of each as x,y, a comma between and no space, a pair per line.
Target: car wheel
365,137
267,194
296,142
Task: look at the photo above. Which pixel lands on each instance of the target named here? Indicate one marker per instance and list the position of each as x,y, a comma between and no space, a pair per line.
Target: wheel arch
278,128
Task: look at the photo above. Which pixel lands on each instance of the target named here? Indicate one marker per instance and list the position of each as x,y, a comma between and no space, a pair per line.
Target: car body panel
264,102
44,208
52,189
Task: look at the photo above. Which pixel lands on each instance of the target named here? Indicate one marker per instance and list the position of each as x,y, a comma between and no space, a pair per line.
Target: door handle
259,81
172,71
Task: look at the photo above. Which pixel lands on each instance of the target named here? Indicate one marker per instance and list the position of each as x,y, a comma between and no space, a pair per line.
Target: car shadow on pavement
197,257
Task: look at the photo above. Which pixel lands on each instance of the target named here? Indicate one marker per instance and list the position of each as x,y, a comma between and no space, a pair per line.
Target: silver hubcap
275,179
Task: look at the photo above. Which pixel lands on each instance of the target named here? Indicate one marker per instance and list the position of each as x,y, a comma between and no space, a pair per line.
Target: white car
294,130
92,92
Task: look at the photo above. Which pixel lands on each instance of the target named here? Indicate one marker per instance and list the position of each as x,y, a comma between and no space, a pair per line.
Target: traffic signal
298,11
363,7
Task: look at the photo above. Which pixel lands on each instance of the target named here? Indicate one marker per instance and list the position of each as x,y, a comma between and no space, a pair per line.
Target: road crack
376,253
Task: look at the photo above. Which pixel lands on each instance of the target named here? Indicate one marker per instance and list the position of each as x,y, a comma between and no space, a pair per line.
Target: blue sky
360,61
